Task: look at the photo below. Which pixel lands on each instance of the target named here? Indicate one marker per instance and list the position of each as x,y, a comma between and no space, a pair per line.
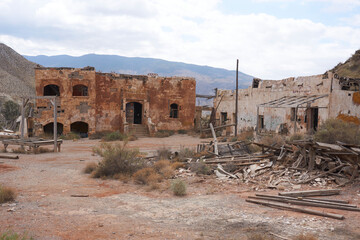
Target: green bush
178,187
117,159
333,130
6,194
114,136
10,110
9,235
297,136
182,131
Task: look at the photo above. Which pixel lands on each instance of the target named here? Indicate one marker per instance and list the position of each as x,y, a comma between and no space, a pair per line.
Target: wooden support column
295,118
257,119
216,151
22,119
54,103
236,97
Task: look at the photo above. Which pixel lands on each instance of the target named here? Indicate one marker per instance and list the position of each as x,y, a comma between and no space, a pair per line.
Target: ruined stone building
91,101
290,105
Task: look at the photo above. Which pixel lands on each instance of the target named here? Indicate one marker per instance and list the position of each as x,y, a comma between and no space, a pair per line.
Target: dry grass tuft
164,133
333,130
163,153
6,194
146,176
178,187
90,167
200,168
177,165
275,140
259,236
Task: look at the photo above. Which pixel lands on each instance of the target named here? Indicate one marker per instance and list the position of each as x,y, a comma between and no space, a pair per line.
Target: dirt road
213,209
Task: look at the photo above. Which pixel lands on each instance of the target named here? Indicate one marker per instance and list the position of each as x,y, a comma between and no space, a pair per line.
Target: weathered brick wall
104,109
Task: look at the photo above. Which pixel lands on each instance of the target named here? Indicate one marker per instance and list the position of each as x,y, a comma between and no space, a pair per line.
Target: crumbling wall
269,90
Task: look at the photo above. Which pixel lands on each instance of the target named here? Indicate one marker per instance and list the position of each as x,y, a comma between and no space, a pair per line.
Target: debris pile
294,163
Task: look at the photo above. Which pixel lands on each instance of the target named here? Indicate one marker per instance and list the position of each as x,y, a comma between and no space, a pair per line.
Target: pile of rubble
294,163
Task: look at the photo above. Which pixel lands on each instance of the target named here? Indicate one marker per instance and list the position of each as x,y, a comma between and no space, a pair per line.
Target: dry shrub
132,138
177,165
90,167
247,136
167,172
275,140
333,130
161,164
297,136
306,236
146,176
117,159
185,153
178,187
6,194
163,153
181,131
200,168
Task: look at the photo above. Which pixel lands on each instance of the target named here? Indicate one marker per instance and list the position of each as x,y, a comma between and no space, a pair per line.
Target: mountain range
207,78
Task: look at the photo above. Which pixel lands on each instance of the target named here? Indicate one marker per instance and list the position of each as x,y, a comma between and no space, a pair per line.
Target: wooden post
295,119
257,120
312,155
22,119
216,151
237,96
55,123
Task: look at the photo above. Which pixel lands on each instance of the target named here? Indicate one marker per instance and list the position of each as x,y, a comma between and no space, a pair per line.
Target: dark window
261,122
51,90
80,90
255,83
223,118
174,110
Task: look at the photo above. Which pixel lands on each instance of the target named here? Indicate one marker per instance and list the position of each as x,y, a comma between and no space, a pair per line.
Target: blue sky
272,39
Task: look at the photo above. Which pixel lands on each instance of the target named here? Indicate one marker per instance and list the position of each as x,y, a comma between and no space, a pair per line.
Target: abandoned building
90,102
290,105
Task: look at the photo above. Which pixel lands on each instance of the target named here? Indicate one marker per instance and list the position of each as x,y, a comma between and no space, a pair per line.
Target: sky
272,39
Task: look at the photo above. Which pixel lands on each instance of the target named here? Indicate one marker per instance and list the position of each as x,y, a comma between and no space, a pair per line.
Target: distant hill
207,78
350,68
17,74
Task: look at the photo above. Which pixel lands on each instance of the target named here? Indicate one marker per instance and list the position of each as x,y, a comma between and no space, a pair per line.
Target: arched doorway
134,113
81,128
51,90
49,128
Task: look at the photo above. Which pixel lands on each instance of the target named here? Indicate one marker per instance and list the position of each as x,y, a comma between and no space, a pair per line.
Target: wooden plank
346,204
327,200
311,193
296,209
9,157
312,204
323,174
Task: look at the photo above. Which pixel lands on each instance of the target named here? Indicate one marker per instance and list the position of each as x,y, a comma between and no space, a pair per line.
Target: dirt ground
212,209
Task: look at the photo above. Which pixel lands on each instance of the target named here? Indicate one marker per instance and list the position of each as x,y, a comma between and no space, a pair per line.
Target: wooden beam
296,209
311,193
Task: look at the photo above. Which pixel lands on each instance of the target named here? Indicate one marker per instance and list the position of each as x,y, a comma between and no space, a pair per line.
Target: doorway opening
49,128
312,118
134,113
81,128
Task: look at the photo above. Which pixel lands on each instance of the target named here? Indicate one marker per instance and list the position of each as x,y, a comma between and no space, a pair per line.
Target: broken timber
9,157
296,209
311,193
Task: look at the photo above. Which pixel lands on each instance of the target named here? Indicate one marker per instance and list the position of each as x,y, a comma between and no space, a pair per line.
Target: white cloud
189,31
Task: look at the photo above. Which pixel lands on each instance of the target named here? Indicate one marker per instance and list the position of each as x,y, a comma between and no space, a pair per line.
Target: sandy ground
213,209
